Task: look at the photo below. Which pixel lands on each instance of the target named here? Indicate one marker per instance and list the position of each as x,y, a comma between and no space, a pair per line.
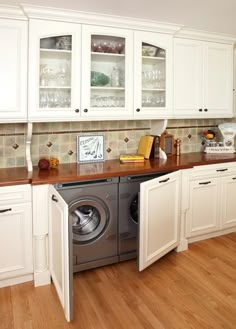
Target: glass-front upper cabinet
54,70
107,72
152,74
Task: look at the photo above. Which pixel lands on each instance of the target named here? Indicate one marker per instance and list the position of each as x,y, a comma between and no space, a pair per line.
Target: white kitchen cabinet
159,223
60,249
203,79
203,214
228,204
84,72
13,70
16,263
107,72
54,70
153,75
211,200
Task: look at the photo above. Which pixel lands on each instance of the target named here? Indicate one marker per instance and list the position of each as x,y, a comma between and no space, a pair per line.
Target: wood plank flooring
193,289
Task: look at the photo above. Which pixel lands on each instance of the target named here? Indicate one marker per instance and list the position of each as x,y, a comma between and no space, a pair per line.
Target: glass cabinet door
106,74
54,70
152,75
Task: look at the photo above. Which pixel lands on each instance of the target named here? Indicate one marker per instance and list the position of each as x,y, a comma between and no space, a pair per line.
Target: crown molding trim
205,36
59,14
12,12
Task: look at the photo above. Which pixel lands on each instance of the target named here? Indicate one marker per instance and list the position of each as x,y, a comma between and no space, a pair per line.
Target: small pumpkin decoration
54,162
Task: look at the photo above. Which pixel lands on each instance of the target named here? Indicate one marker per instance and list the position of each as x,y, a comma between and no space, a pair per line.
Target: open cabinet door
159,218
60,250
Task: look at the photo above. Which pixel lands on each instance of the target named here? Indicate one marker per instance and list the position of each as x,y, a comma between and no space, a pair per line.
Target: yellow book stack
124,158
145,146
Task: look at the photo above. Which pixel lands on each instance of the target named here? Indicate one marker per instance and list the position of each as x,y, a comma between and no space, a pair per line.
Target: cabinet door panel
228,201
54,70
203,215
107,72
60,251
218,78
188,76
15,240
13,68
159,218
152,75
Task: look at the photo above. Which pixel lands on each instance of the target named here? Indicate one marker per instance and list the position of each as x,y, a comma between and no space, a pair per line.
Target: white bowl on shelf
149,51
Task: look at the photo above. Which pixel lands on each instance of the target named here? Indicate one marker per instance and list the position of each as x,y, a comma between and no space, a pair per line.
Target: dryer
93,207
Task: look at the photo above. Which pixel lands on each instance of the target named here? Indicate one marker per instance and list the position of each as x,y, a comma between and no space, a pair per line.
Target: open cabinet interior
158,230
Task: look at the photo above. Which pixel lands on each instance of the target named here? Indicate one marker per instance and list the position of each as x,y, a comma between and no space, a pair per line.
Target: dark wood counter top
14,176
110,168
113,168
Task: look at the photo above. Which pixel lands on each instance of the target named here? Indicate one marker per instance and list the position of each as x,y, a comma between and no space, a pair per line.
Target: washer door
90,217
133,209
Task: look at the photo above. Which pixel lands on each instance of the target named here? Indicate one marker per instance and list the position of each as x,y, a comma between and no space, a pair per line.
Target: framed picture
167,143
90,148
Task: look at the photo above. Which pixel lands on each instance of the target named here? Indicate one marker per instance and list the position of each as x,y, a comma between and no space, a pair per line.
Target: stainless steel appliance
93,207
129,213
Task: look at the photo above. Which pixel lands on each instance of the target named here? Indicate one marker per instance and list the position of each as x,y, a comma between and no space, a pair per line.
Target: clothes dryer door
90,217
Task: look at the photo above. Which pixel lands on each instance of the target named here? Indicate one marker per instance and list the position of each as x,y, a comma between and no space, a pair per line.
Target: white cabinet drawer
216,170
15,194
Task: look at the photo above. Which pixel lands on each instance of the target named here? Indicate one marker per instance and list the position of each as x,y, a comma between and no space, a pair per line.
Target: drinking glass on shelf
162,100
94,46
43,102
119,47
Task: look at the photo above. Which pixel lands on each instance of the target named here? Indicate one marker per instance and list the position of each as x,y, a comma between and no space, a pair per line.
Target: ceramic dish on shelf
63,42
149,51
99,79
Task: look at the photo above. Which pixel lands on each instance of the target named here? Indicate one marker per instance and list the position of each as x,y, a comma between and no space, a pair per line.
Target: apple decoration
44,164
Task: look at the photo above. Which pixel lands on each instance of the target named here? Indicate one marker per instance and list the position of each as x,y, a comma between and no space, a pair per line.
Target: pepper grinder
177,144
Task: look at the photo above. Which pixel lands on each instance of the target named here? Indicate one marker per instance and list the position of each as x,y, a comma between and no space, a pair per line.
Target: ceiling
207,15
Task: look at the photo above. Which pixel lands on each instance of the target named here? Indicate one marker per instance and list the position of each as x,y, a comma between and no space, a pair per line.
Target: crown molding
12,12
59,14
206,36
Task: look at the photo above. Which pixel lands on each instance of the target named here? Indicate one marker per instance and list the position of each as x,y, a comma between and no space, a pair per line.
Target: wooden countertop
14,176
109,168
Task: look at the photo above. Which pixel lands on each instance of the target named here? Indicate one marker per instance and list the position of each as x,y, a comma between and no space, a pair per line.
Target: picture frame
167,143
90,148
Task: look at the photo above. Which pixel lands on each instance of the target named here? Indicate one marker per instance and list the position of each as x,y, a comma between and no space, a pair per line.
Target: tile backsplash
59,139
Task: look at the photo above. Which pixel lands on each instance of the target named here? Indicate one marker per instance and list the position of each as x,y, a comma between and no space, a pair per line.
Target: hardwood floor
193,289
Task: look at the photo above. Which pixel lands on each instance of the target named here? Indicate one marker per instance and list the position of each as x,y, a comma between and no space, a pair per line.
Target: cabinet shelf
153,89
107,88
54,87
152,58
107,54
56,51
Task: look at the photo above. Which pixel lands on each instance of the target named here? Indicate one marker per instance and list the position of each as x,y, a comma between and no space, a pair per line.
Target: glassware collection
107,72
105,46
55,72
153,76
108,64
60,98
107,101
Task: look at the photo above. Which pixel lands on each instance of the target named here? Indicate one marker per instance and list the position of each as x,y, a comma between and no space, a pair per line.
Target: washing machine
129,187
93,207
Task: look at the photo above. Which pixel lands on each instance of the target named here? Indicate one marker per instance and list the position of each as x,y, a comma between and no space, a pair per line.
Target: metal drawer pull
164,180
54,198
234,178
205,183
222,169
5,210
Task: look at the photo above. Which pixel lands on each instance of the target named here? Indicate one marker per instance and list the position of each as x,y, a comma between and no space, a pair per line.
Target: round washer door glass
133,209
90,217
